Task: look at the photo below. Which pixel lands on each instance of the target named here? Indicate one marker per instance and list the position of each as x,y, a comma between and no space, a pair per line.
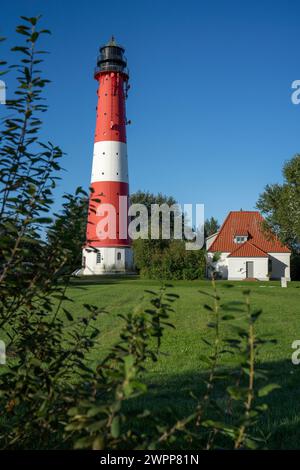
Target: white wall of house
221,266
110,260
234,268
237,268
280,265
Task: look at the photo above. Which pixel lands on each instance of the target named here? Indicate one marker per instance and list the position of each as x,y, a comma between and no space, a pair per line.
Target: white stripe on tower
110,161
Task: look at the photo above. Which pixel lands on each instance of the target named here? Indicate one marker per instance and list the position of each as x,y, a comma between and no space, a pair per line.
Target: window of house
240,238
83,261
119,256
98,259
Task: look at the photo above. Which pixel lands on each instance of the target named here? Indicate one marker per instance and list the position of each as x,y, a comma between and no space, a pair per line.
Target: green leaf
83,443
34,36
99,443
95,410
208,307
21,49
42,220
228,317
68,315
33,20
237,393
115,427
204,359
267,389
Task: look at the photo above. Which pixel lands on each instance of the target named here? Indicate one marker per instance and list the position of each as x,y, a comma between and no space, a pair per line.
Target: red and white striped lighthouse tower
108,248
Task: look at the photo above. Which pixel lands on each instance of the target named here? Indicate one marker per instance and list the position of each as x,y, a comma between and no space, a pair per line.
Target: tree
147,198
165,259
280,204
211,226
147,251
69,228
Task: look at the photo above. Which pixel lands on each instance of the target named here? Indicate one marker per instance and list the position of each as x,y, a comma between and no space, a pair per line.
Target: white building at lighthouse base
107,260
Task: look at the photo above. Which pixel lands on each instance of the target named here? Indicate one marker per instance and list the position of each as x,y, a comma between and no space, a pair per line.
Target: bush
170,261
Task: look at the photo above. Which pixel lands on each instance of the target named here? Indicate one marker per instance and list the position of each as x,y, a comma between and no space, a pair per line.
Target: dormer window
240,238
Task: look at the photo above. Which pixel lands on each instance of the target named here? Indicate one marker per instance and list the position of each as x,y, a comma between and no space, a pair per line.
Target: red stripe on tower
109,179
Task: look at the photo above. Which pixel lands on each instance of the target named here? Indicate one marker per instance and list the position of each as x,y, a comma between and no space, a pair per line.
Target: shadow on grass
101,280
171,398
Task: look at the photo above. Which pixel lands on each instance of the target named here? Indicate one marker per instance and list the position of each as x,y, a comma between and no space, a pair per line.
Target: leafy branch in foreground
28,175
101,420
46,347
227,408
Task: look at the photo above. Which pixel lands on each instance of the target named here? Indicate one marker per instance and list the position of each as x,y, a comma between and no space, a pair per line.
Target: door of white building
250,269
119,260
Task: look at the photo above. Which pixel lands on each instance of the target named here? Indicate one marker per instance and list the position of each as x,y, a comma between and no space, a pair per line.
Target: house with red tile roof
244,249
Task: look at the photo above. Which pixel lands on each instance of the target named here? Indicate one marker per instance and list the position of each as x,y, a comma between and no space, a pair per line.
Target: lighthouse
108,247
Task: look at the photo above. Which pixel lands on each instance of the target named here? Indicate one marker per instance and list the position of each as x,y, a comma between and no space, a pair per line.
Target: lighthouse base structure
107,260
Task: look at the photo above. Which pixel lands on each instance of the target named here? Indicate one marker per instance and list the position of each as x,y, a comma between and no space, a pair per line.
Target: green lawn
179,370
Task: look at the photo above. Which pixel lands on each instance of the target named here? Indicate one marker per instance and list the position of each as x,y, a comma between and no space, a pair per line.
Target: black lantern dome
111,58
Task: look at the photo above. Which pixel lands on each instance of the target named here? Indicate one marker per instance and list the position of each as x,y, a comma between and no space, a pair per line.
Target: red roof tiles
240,223
248,250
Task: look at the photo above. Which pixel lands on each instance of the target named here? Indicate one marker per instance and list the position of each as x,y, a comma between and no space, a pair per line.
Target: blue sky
212,118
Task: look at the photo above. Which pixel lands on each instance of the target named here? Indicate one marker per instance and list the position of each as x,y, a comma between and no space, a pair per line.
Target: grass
179,369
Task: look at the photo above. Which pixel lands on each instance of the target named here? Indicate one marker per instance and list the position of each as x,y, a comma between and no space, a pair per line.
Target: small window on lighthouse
119,256
98,257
